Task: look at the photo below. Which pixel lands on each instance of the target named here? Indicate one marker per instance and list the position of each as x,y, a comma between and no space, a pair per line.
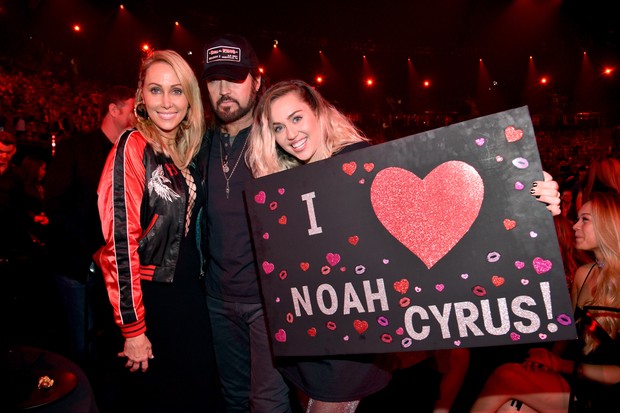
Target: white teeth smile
299,144
167,115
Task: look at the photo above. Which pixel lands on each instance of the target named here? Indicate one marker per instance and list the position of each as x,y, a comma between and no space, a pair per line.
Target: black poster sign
431,241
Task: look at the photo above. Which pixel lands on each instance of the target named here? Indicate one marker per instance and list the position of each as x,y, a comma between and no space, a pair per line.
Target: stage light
608,71
176,24
427,83
544,80
370,82
146,47
275,44
76,28
122,7
319,79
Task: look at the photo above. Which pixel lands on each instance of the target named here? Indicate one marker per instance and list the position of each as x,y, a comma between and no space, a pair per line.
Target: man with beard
249,379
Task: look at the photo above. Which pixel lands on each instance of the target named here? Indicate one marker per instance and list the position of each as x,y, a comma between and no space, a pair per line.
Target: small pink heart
519,264
266,235
304,266
465,276
400,331
499,158
349,168
513,134
417,289
333,259
439,287
345,338
281,336
519,186
353,240
541,266
524,281
260,197
361,181
515,337
457,343
268,267
360,326
542,336
533,234
509,224
281,191
401,286
369,166
480,141
277,299
386,261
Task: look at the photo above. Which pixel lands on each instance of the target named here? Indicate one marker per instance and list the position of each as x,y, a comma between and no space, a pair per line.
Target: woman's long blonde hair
191,130
606,292
264,156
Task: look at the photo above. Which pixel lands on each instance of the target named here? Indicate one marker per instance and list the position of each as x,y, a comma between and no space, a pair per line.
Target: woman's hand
138,352
547,192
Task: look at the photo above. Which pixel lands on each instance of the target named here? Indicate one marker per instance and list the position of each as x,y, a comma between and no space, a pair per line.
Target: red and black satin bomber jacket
142,206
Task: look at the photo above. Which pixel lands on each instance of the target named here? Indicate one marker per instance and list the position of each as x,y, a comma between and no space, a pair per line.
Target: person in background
13,220
603,176
33,172
569,204
250,382
293,126
151,201
75,230
589,368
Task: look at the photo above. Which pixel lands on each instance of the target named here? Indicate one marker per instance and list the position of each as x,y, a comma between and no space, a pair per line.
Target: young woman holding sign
294,125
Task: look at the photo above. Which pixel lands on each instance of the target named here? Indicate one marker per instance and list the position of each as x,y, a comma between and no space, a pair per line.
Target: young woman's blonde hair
606,225
192,128
264,156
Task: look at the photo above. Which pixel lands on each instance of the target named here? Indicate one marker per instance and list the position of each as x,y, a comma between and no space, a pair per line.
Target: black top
231,273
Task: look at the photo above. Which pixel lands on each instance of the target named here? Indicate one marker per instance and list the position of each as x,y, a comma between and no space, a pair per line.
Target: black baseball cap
228,57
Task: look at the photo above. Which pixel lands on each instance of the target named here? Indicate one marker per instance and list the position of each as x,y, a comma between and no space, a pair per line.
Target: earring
140,112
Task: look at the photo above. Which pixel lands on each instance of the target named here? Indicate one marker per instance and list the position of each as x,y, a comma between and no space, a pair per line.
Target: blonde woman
151,198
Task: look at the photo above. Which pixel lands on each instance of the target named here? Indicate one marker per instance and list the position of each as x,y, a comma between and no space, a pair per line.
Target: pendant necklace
226,169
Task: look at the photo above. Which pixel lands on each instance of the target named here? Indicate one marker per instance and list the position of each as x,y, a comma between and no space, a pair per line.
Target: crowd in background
36,105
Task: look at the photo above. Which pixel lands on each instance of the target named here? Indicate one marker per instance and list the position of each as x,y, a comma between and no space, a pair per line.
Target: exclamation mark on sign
546,295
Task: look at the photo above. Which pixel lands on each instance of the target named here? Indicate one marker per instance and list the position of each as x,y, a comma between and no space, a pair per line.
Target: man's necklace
225,167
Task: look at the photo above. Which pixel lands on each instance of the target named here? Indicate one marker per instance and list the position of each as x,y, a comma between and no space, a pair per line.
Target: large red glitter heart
428,216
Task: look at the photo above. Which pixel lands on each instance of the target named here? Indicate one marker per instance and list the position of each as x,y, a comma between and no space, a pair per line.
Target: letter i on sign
314,229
